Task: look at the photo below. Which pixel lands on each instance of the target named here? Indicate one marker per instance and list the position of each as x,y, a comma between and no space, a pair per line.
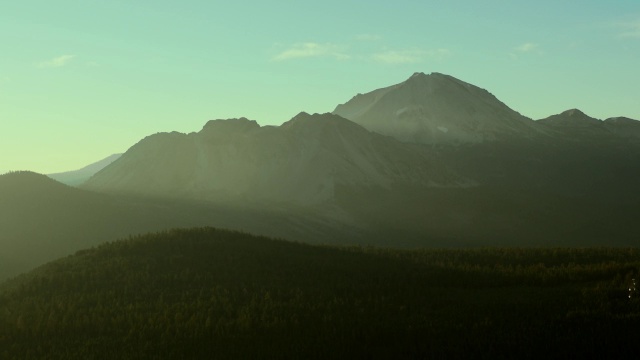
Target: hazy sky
82,79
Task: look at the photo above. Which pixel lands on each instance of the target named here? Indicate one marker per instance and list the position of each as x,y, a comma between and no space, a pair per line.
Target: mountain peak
571,118
305,116
230,125
622,120
436,108
307,120
428,78
574,113
420,74
623,126
302,115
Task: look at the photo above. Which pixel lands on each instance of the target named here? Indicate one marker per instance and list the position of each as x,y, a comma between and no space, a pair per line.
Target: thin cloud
56,62
527,47
410,56
630,29
312,49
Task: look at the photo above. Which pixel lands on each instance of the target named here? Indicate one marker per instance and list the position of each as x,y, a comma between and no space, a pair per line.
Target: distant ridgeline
80,176
207,293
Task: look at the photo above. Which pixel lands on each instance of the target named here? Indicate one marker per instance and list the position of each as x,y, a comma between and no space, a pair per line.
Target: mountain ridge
299,161
575,125
493,191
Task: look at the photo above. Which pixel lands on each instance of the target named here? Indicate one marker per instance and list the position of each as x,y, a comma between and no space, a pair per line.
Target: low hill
207,293
41,219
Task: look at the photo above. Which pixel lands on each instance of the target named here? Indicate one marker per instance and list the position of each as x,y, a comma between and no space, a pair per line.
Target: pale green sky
82,79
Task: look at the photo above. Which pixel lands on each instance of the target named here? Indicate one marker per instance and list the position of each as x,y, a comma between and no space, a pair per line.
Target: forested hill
207,293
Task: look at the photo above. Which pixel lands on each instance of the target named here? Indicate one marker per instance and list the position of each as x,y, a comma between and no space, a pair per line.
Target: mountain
574,125
579,164
77,177
437,109
572,118
209,293
301,162
623,127
548,190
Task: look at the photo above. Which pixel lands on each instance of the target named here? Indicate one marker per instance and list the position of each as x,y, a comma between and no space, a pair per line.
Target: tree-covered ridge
207,293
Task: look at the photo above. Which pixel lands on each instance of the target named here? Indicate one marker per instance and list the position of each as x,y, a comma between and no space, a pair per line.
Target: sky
83,79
